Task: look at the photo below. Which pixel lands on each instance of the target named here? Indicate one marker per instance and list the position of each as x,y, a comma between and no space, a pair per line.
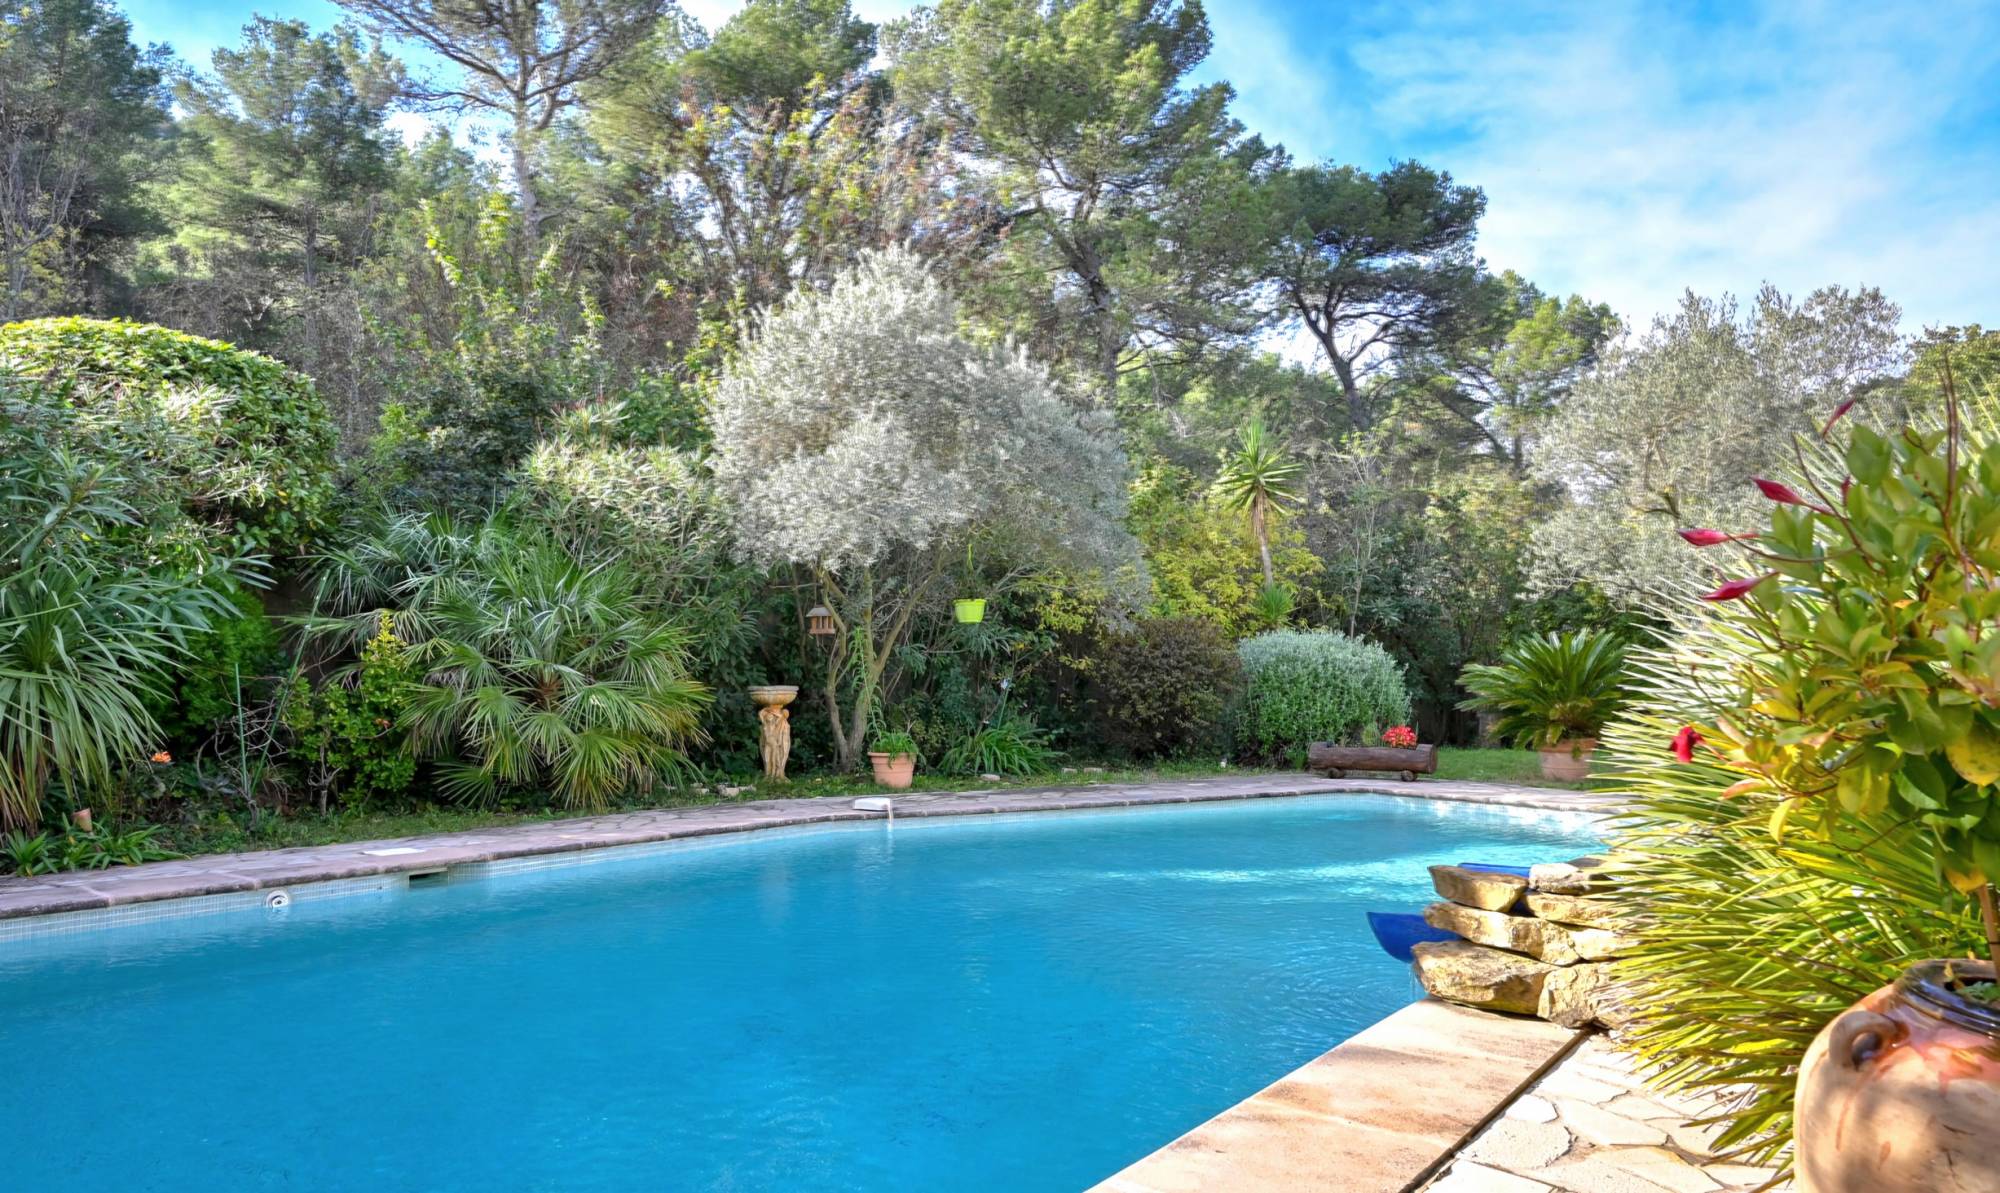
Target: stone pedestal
775,721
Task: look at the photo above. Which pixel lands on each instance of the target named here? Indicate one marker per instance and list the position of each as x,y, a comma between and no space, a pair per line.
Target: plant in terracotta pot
895,759
1552,693
1826,819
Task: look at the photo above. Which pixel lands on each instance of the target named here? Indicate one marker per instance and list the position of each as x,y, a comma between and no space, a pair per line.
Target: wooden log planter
1335,761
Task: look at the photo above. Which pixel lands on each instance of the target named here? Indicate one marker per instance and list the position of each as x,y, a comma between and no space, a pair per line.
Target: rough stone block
1580,995
1574,909
1496,929
1481,977
1573,877
1601,944
1471,888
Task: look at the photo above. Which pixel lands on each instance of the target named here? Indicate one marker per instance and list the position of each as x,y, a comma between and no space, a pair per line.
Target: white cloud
1628,156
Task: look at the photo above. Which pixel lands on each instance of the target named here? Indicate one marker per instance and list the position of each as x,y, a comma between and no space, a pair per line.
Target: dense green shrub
350,730
1303,686
1165,686
232,663
257,444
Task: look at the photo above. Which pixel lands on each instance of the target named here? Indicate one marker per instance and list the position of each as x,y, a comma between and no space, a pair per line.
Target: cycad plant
1550,689
534,669
1259,478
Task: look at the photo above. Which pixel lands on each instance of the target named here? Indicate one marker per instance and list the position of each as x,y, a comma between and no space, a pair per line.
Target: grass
1521,767
234,831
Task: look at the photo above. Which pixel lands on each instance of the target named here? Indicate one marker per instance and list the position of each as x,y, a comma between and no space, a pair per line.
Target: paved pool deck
226,873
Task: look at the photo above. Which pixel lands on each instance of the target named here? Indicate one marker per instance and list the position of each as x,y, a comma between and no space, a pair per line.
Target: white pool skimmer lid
877,803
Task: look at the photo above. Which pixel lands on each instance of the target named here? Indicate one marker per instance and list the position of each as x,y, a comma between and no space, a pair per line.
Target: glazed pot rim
1924,985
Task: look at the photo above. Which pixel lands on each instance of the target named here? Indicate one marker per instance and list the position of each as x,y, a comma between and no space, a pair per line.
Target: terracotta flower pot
1569,761
1901,1093
893,770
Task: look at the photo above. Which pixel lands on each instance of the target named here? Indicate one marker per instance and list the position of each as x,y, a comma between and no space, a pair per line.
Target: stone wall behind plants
1541,945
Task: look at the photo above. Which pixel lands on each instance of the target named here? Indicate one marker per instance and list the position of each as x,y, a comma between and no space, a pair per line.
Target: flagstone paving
1591,1125
230,872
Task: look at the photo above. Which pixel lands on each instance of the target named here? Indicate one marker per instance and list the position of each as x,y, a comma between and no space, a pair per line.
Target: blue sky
1627,151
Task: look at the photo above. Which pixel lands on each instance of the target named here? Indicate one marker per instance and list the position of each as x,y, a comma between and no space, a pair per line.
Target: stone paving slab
232,872
1592,1125
1377,1114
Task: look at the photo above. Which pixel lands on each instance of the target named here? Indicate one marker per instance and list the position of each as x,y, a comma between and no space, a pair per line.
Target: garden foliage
1165,686
1303,686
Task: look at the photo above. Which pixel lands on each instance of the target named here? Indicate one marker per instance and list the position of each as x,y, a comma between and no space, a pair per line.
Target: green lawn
1496,766
237,831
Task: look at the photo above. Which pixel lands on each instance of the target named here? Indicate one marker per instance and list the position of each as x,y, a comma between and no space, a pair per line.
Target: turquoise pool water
1018,1003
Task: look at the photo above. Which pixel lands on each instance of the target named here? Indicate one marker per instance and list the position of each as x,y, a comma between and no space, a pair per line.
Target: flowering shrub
1402,737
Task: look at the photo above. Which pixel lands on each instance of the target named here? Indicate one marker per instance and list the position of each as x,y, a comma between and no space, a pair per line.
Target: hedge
264,475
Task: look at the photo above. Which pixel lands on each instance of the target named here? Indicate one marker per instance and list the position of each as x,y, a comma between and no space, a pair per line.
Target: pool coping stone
228,873
1381,1112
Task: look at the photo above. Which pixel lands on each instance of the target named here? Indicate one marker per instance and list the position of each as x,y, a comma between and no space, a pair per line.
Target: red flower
1839,410
1713,538
1685,741
1785,494
1401,736
1736,589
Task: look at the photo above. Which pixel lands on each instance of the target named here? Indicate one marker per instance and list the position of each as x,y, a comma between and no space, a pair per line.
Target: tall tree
1372,265
283,168
80,111
1511,366
1133,188
523,60
783,142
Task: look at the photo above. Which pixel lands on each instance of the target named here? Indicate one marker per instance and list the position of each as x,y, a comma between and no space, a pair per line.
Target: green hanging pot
969,610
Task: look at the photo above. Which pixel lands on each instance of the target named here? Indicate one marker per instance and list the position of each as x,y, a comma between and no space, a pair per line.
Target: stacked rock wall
1540,945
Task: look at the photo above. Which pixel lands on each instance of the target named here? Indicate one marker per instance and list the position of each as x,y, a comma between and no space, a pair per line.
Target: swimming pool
1009,1003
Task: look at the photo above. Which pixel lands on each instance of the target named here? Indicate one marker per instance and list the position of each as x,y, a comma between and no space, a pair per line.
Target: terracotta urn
893,770
1568,760
1901,1093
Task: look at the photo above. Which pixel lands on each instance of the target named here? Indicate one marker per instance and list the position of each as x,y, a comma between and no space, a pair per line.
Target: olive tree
865,441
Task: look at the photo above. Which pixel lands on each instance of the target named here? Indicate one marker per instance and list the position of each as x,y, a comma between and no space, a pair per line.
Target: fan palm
1259,478
535,669
1551,688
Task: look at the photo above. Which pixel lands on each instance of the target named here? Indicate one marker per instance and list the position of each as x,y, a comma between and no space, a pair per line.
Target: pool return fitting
878,803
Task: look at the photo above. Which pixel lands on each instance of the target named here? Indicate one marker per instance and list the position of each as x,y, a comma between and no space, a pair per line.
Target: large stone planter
1901,1093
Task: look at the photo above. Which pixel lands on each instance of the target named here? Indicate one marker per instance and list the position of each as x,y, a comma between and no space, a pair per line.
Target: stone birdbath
776,722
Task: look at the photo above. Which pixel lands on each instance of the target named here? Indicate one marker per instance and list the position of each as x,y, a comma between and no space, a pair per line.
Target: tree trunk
1258,528
524,185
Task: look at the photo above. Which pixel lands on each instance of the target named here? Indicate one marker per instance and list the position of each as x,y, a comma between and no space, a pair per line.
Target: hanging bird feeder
819,621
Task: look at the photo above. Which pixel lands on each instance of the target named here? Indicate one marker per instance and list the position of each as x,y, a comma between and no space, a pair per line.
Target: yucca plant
1007,746
1261,480
1551,689
534,669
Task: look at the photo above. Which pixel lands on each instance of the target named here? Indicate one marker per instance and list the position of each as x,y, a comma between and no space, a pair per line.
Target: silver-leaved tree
864,440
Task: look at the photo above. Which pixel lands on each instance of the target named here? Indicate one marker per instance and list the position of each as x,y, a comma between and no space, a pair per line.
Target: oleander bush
1303,686
1165,686
251,445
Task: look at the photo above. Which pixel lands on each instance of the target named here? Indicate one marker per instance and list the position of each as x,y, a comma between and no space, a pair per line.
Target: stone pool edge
223,874
1383,1111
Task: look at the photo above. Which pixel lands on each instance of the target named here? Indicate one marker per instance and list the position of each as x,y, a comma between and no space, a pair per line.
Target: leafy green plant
28,855
1261,480
238,652
350,729
1810,764
1320,685
895,743
260,466
1165,686
89,627
532,668
1007,746
1551,689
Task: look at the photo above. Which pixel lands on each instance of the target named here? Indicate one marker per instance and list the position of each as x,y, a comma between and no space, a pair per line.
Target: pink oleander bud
1685,741
1736,589
1713,538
